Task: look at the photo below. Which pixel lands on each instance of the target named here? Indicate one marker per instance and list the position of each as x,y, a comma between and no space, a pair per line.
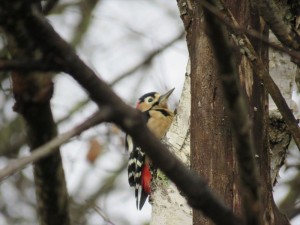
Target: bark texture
33,93
212,152
211,146
283,72
169,206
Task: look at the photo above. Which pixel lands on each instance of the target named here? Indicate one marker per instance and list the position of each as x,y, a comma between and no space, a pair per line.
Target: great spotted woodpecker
158,118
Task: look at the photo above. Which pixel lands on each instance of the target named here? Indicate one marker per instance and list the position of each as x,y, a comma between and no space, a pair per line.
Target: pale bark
169,207
283,72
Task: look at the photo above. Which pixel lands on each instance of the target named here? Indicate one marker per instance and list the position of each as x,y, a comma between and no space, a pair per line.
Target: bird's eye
150,100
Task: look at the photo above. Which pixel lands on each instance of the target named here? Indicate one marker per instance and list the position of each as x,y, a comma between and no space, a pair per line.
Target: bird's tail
146,185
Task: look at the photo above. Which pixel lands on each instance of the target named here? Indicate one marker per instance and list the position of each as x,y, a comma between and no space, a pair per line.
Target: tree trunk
212,154
212,151
33,92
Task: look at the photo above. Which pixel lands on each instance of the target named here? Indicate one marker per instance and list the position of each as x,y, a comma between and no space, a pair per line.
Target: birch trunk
283,72
169,207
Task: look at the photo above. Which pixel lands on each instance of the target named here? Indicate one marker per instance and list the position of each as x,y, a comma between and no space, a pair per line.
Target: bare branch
289,204
259,68
274,18
32,93
105,218
51,146
150,56
86,8
28,65
19,138
50,4
195,188
107,185
234,26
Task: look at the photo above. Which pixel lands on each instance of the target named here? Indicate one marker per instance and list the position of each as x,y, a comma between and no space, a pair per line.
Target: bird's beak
164,98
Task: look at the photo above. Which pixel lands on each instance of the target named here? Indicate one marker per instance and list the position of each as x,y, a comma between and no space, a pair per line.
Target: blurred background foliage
136,46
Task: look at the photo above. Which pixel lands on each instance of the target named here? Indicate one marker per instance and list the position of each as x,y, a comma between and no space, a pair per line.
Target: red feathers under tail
146,185
146,179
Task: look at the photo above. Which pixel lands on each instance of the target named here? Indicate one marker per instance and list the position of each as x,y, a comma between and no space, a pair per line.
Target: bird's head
152,99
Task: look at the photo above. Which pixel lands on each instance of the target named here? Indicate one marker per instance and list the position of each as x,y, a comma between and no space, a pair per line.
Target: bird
158,118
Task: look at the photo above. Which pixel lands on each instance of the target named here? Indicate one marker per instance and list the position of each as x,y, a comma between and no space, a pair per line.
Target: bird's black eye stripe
164,112
146,116
155,104
143,98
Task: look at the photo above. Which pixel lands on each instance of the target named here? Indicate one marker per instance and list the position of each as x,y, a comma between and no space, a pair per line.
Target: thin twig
106,186
274,18
232,24
150,56
105,218
51,146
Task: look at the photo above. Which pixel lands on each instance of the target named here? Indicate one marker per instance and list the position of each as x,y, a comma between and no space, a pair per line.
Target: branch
238,113
32,94
27,65
108,185
237,29
104,217
50,4
8,148
274,18
150,56
52,146
129,119
86,8
259,68
289,204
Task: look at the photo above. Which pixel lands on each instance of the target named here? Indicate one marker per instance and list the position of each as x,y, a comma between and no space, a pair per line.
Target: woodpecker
158,118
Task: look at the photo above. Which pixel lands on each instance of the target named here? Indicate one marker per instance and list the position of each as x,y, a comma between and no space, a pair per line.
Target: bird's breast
159,121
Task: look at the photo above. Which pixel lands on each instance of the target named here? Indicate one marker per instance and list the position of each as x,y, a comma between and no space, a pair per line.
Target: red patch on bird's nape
137,105
146,179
